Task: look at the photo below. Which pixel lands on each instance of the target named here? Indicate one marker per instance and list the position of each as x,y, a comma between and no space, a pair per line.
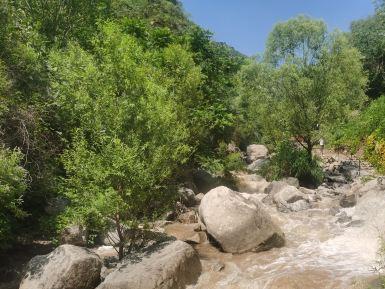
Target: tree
308,82
127,113
368,36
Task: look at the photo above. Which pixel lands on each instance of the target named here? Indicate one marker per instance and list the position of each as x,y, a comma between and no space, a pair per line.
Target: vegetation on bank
106,104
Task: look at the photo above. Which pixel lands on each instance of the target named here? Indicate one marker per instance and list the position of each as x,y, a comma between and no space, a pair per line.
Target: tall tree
310,81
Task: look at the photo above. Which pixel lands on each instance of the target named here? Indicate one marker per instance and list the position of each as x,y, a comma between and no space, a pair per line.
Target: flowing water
319,253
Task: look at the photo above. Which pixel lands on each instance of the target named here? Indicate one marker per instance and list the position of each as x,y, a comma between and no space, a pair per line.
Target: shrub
291,161
13,183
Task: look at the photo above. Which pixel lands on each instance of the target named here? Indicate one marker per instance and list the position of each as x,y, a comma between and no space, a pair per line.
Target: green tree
309,82
129,114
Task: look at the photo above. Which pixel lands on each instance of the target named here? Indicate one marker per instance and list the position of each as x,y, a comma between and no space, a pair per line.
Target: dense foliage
13,183
108,103
111,104
292,161
308,82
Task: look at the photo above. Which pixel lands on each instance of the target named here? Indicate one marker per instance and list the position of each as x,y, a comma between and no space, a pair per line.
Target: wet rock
67,267
186,233
274,187
255,152
291,199
189,217
171,265
187,197
348,201
74,235
238,224
250,183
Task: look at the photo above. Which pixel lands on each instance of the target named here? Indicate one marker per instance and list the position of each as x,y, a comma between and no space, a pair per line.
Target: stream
320,252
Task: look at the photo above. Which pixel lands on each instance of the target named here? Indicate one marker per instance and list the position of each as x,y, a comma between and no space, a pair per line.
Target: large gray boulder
238,224
67,267
172,266
255,152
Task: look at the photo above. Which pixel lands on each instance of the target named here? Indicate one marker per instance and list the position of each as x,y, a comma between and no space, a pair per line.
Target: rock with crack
171,265
67,267
238,224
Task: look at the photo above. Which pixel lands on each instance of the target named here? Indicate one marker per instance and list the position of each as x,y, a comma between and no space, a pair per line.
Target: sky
245,24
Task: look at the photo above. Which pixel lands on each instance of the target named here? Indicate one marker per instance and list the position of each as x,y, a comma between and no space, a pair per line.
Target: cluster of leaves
290,160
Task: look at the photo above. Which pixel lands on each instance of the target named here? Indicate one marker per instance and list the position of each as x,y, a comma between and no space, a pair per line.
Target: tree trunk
309,147
119,230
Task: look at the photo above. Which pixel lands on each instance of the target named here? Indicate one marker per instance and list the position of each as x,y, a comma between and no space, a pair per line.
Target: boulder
271,189
250,183
238,224
291,199
187,197
74,235
255,152
172,265
348,200
198,198
67,267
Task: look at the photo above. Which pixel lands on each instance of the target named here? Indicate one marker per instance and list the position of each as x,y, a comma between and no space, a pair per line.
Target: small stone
348,201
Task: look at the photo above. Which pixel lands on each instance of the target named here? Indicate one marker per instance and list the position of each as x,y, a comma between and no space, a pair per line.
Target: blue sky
245,24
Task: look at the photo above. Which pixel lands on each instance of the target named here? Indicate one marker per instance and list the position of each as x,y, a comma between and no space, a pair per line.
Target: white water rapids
320,253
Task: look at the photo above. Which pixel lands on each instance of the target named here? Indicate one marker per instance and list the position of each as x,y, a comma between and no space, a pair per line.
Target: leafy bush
290,161
13,183
222,162
367,131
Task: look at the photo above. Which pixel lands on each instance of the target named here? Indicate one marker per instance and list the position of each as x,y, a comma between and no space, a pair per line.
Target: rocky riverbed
258,235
